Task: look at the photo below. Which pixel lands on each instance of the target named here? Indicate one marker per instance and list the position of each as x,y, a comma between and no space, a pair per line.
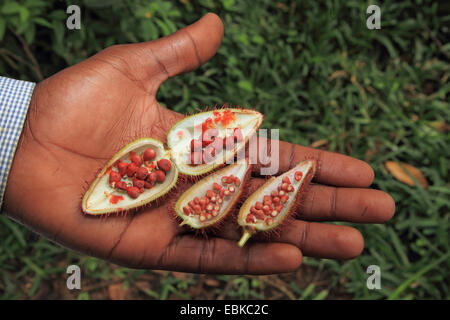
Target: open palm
81,116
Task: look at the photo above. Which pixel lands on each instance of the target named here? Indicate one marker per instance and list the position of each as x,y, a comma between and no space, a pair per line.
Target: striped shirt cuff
15,96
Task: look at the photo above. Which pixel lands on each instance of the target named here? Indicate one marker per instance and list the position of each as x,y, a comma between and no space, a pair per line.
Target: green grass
317,73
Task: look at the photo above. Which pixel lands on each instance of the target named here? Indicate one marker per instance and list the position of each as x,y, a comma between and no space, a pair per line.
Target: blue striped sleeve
15,96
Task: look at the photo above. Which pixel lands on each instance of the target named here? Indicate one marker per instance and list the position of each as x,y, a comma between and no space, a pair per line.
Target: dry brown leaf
179,275
212,282
337,74
401,173
116,291
319,143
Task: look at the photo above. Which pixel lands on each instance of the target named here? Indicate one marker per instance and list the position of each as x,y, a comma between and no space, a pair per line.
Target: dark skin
81,116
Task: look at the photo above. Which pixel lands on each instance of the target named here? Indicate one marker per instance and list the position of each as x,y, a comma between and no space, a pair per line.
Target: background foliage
315,71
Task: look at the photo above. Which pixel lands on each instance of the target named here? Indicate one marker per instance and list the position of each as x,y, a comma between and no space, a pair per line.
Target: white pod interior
199,190
307,169
98,199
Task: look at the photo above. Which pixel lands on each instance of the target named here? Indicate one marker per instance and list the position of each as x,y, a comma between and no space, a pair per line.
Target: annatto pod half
271,203
211,199
144,170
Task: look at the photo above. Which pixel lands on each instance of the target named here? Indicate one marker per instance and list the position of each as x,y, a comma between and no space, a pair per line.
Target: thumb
186,49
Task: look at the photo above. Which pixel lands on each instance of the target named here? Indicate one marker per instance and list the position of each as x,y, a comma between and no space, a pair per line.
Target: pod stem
245,236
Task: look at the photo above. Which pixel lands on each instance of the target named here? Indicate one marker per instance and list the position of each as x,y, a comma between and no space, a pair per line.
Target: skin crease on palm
79,118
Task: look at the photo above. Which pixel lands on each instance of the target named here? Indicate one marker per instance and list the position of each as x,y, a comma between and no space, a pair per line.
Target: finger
332,168
324,240
346,204
188,48
313,239
216,255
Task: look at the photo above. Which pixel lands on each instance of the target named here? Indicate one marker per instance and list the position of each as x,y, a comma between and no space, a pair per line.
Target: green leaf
2,28
11,7
246,85
42,22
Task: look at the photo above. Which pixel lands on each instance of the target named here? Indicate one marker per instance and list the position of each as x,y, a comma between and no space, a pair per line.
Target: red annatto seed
197,209
191,204
208,216
152,177
284,199
196,145
215,213
276,200
208,136
148,185
279,208
224,180
267,198
138,183
210,194
133,192
196,200
258,205
286,180
164,164
274,193
137,160
220,201
274,213
209,207
142,173
202,218
290,188
281,193
238,137
217,186
131,169
213,199
259,214
221,193
122,185
217,207
279,188
284,186
250,218
237,181
266,209
253,209
298,175
149,154
114,177
269,221
231,189
196,158
160,175
187,211
226,193
122,166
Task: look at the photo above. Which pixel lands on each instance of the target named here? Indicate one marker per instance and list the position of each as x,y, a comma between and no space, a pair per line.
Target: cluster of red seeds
141,173
204,150
209,205
273,203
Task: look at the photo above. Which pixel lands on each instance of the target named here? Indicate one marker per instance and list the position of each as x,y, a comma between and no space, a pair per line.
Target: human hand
81,116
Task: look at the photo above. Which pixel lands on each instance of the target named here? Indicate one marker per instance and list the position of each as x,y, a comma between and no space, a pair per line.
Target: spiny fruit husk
186,132
221,133
104,197
211,199
271,203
